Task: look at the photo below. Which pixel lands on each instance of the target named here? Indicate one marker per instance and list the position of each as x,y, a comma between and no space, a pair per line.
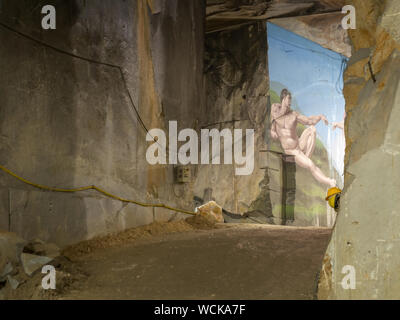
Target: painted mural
306,134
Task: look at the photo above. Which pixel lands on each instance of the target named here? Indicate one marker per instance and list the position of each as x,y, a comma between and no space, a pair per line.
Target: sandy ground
234,262
190,260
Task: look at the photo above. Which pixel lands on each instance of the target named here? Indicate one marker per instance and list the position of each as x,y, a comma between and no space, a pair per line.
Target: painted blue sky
312,73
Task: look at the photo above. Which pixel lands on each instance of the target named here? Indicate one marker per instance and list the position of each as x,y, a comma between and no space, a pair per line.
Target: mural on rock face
305,140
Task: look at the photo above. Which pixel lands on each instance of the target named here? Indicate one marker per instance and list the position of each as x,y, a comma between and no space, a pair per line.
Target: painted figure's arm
274,134
311,121
339,125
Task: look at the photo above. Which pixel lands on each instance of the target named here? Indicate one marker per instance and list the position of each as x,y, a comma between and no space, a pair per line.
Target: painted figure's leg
307,141
303,161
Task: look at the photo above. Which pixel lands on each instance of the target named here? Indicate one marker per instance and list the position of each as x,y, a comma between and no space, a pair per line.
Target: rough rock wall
67,122
366,234
236,71
324,29
231,14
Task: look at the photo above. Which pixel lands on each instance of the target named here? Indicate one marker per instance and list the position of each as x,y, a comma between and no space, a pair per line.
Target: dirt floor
195,260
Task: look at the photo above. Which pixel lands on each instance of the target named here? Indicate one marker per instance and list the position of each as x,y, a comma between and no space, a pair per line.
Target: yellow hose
94,188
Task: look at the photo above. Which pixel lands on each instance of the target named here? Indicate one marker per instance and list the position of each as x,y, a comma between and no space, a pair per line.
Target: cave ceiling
228,14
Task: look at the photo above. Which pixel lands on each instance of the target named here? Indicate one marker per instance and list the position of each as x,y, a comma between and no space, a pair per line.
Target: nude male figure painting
284,124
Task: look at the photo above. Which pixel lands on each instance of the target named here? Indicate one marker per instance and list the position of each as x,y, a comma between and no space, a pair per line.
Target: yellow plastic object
332,201
161,205
333,193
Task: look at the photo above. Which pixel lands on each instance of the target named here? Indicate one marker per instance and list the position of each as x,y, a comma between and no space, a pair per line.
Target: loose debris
21,261
196,222
211,211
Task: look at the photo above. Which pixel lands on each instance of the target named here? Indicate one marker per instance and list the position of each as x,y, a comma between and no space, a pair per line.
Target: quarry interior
75,104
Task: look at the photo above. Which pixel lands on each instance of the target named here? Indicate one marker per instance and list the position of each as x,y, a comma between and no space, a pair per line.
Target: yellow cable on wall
93,188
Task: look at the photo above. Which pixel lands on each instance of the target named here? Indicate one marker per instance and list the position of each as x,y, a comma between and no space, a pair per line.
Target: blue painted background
314,75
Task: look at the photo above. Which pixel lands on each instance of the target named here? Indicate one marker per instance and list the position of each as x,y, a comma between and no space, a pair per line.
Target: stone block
32,263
